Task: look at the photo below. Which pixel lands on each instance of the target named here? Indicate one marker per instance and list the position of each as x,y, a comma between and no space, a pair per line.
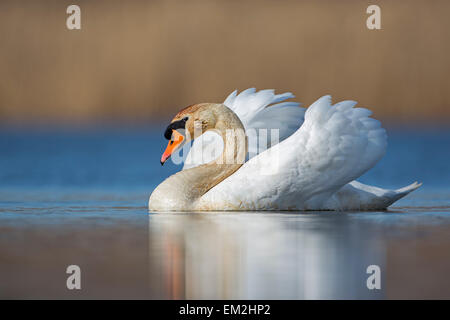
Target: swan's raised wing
335,145
250,102
285,118
257,110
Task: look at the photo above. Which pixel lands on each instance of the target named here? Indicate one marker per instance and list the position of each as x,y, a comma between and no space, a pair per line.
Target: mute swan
312,168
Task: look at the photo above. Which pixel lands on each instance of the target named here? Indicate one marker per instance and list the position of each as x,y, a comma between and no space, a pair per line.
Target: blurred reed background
141,61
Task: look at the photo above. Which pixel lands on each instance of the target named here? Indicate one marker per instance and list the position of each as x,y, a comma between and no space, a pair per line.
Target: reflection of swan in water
261,256
313,168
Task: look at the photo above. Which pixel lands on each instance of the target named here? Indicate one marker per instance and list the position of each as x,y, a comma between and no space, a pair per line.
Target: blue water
81,195
125,163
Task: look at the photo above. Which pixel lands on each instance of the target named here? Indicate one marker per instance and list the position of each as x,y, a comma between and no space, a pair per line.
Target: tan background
139,61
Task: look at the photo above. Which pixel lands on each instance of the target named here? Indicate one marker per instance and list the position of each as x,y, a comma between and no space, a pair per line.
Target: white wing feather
335,145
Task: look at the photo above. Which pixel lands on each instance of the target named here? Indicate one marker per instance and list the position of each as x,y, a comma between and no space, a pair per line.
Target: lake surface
80,198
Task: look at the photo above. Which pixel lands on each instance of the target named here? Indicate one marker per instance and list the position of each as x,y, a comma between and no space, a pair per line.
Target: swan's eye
179,124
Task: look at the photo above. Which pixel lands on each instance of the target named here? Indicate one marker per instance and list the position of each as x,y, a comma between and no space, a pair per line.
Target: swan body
322,150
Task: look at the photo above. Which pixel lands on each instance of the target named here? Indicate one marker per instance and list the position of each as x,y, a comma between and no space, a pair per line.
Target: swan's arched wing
256,110
284,117
250,102
335,145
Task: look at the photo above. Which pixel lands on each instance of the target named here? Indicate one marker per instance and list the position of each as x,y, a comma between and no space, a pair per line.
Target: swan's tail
400,193
359,196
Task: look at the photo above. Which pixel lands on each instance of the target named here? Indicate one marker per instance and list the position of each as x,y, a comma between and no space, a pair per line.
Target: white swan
312,168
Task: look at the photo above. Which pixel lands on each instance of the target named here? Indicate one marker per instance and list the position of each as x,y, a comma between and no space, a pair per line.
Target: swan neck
182,190
232,132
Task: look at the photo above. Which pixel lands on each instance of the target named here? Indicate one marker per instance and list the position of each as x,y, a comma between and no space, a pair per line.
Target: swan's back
335,145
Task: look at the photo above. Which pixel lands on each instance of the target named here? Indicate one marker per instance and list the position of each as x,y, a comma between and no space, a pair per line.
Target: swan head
189,123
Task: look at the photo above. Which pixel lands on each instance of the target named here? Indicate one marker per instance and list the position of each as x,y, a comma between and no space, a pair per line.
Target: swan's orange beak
174,143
